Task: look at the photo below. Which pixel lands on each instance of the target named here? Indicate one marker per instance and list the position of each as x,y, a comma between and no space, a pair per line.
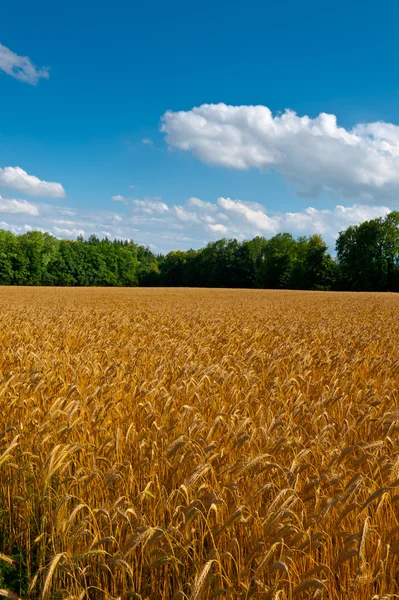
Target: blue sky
109,103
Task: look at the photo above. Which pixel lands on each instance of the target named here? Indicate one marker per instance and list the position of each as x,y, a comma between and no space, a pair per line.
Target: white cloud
253,213
248,219
17,229
68,212
119,198
20,207
150,206
147,142
132,187
315,155
63,222
185,215
218,228
17,179
189,225
21,67
200,204
329,222
68,233
196,220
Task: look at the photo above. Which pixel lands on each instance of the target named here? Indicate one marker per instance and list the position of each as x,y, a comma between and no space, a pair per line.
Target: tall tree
368,254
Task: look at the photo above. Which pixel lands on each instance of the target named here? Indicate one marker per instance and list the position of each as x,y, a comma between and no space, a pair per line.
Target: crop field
194,444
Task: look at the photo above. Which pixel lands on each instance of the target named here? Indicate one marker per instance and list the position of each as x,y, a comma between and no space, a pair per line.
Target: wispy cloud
119,198
21,67
147,142
17,179
68,233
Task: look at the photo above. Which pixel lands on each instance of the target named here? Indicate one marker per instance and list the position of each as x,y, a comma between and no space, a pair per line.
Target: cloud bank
314,155
243,220
21,67
192,224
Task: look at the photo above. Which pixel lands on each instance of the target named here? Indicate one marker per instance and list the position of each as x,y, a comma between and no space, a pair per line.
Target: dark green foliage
14,577
280,262
368,255
37,258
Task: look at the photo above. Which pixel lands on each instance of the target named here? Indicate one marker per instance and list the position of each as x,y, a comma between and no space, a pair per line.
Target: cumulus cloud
21,67
252,213
20,207
17,179
315,155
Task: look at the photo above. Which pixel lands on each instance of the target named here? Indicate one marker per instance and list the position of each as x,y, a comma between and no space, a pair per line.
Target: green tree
279,261
368,254
320,268
40,250
8,247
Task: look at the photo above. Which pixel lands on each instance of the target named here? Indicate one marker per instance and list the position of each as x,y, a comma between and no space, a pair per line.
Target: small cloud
147,142
68,212
201,204
64,222
185,215
132,187
68,233
21,67
119,198
218,228
251,213
150,206
17,179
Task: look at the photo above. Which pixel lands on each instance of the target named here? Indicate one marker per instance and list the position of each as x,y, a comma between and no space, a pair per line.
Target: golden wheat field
197,444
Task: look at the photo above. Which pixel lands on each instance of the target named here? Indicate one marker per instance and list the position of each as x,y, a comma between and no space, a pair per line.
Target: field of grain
159,444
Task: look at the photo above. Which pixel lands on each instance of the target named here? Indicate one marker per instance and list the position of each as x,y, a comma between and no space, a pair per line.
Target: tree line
367,259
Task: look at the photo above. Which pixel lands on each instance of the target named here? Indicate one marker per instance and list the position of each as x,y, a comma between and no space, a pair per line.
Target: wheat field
196,444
